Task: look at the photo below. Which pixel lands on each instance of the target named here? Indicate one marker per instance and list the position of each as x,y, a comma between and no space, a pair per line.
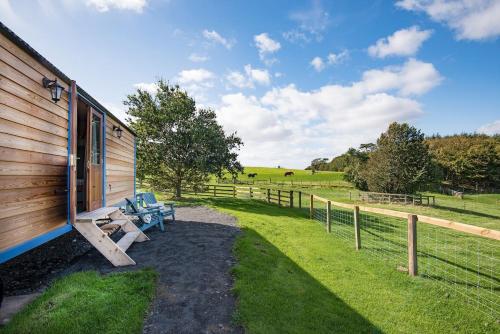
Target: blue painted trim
135,165
104,160
68,175
32,243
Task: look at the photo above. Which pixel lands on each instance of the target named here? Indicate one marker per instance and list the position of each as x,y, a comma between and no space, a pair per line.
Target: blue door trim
104,160
135,165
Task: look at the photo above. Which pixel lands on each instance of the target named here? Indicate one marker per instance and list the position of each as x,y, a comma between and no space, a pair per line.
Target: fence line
465,259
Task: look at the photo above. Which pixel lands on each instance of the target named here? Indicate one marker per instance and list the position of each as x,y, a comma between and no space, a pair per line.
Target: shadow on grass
466,211
278,296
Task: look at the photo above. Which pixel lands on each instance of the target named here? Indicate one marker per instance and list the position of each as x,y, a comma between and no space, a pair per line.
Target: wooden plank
27,132
17,208
8,99
357,230
18,182
30,80
11,154
112,161
14,115
104,244
100,213
20,143
23,234
412,245
470,229
19,168
21,92
328,217
27,194
119,156
112,167
119,178
127,240
28,60
17,103
30,219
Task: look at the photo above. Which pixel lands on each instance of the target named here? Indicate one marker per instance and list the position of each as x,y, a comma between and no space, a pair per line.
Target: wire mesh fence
386,238
463,264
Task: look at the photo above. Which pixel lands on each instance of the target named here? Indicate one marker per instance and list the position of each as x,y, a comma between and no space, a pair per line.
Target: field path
193,258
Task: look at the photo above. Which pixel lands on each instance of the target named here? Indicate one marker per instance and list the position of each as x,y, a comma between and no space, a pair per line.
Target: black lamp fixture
117,131
55,88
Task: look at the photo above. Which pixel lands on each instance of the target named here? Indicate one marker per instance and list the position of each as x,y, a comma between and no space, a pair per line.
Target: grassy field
300,175
87,302
292,277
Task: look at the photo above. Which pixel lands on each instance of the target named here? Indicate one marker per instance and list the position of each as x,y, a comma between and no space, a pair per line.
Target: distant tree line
403,161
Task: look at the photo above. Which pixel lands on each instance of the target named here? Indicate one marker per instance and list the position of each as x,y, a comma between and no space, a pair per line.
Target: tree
179,145
468,160
319,164
401,162
356,161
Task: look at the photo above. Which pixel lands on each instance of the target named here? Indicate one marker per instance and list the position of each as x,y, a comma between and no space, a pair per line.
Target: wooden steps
99,236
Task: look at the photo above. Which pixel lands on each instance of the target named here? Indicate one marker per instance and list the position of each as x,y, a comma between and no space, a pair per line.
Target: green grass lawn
292,277
87,302
300,175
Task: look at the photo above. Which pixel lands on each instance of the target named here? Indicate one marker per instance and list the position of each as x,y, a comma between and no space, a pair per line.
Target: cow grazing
289,174
252,175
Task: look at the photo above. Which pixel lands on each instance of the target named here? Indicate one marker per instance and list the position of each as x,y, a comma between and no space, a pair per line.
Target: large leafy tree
178,144
468,160
401,162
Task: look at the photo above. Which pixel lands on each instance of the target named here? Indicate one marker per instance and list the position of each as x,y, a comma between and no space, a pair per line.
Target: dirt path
193,258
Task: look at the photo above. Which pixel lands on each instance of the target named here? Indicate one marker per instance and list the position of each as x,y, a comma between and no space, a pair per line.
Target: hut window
96,140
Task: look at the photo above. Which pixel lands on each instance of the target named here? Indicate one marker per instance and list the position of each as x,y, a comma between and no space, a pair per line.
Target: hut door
94,162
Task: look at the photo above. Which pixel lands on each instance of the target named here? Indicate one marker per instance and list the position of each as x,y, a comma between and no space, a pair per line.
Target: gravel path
193,258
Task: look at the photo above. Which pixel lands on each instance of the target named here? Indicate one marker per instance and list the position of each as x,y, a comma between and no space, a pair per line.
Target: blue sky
296,79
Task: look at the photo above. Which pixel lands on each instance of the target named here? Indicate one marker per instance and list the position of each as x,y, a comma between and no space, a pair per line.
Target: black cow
289,174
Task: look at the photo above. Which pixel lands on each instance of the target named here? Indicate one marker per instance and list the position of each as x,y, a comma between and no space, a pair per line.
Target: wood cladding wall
33,149
119,164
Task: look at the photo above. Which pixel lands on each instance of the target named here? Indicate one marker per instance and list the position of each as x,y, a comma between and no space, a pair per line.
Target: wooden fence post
279,197
291,198
251,194
328,217
412,245
300,199
234,191
311,206
268,195
215,191
357,230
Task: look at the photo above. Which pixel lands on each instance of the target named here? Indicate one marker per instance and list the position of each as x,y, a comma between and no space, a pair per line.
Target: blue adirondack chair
148,201
148,217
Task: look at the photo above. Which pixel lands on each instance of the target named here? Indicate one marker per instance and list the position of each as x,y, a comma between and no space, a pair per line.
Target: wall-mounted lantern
117,131
55,88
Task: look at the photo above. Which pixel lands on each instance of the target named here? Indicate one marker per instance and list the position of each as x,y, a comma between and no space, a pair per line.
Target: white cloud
318,64
470,19
290,126
195,75
215,37
251,77
296,36
312,21
491,128
413,78
148,87
404,42
105,5
332,59
266,46
337,58
196,82
196,58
